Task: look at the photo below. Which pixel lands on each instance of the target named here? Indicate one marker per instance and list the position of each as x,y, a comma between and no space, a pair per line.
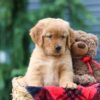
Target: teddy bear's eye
76,39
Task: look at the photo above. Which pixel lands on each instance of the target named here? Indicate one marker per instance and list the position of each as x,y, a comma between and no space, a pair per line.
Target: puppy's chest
51,72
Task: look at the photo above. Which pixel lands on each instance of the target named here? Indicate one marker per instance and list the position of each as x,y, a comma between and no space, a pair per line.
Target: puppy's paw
71,85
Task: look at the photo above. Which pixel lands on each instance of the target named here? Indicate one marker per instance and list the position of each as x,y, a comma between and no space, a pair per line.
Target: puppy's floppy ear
71,38
36,34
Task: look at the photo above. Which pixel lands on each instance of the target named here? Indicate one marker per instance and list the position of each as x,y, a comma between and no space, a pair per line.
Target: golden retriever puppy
51,62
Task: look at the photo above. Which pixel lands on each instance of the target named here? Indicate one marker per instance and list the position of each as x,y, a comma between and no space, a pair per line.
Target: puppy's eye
62,37
49,36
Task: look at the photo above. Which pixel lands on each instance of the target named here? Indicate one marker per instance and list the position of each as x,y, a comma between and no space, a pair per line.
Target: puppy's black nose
82,46
58,48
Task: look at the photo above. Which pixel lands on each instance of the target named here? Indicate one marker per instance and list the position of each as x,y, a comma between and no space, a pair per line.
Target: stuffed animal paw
84,79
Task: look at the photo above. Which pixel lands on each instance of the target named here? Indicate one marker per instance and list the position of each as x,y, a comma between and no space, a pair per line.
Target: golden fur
48,65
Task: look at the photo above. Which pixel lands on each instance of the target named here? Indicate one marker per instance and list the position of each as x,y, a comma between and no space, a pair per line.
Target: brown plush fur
47,65
86,44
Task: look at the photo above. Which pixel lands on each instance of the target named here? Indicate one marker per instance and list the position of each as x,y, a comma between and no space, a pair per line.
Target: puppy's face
55,41
54,36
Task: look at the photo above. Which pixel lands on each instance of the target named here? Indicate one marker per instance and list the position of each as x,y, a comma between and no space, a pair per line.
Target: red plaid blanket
91,92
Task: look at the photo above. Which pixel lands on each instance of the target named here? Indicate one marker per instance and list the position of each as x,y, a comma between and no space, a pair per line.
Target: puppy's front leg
33,77
66,78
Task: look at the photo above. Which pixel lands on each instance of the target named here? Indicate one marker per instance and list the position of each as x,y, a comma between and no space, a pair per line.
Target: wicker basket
18,89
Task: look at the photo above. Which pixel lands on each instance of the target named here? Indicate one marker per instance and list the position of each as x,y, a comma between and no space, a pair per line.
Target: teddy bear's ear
79,33
36,34
71,38
96,40
94,37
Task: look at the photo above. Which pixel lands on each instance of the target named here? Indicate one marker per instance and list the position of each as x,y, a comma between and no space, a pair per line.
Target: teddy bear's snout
82,46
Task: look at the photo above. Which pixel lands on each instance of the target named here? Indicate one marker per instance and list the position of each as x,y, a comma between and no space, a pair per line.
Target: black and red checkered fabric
91,92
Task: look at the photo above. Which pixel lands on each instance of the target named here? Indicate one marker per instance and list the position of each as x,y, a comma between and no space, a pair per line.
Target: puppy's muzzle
58,48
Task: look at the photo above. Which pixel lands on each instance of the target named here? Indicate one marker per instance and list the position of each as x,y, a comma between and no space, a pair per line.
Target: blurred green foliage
15,22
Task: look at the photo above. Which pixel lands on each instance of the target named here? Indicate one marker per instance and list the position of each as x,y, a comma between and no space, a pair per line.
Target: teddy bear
83,51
